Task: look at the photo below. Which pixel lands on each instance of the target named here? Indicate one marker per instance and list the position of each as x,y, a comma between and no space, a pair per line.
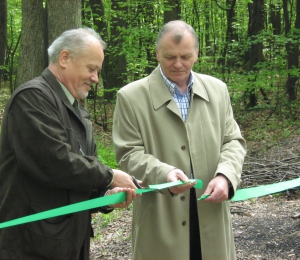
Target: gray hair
75,41
178,28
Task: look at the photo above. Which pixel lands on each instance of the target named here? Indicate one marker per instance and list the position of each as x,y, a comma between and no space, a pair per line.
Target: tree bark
39,29
3,35
292,49
62,15
275,18
114,66
98,13
256,25
231,35
32,58
172,10
149,38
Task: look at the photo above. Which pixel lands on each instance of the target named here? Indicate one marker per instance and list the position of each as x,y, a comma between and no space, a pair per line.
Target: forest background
253,46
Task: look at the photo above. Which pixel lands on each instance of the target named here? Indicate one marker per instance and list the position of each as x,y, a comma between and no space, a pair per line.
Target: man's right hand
176,175
122,179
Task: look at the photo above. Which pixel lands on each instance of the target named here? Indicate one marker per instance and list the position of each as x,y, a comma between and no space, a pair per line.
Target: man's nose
95,77
178,63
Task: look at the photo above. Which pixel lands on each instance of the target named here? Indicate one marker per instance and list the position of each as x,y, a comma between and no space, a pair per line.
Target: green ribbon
91,204
254,192
242,194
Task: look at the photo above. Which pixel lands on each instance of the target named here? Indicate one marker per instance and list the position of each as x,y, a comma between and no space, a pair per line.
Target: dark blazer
48,159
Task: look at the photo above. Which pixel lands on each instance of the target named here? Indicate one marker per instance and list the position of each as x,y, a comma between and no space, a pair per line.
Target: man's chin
82,94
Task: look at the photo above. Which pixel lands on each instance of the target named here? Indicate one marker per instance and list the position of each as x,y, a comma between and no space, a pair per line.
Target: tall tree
114,66
62,16
275,17
149,35
255,27
32,59
292,49
207,42
98,13
172,10
39,29
3,34
231,34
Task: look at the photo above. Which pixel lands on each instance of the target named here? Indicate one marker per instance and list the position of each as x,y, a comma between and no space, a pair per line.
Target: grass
106,155
101,220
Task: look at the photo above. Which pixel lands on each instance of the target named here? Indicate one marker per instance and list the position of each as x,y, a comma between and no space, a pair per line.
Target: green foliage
141,23
106,155
14,24
102,220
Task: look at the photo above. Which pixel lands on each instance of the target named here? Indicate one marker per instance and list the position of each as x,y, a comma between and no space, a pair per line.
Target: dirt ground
265,228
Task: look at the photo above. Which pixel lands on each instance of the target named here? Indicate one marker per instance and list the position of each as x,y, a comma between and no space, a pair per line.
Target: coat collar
160,93
55,85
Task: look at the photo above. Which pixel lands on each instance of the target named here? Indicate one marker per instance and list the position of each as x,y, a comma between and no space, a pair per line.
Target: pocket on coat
37,246
49,238
50,227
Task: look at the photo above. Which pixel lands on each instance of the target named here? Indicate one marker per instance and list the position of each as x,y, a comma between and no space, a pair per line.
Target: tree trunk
3,35
275,18
172,10
150,37
32,58
114,66
62,15
230,35
97,7
38,32
209,51
292,50
256,25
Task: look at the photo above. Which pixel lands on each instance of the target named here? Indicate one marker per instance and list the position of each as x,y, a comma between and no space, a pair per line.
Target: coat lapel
52,81
199,87
160,93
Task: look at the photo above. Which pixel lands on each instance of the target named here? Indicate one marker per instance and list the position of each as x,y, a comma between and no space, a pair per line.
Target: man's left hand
218,189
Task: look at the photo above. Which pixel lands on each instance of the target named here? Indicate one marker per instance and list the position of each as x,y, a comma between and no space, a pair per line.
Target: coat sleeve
130,145
233,149
42,148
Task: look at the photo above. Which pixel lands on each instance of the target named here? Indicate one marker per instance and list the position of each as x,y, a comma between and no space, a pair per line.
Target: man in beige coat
173,125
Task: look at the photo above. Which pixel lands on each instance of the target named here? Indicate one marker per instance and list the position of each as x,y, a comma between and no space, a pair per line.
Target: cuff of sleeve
107,208
230,187
112,179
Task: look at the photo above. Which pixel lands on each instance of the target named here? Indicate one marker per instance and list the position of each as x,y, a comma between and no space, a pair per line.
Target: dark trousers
195,246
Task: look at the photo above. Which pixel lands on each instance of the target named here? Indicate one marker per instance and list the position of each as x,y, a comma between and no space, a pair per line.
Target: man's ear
157,56
64,58
196,56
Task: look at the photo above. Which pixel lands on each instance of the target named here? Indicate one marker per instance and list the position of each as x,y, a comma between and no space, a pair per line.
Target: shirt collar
173,88
67,92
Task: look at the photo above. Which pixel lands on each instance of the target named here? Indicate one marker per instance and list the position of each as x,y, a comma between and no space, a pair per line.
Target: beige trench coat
151,138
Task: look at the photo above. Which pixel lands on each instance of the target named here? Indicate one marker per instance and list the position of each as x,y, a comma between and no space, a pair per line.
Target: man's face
81,73
177,59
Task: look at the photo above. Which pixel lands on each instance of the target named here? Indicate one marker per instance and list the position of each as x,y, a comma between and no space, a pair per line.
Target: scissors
136,183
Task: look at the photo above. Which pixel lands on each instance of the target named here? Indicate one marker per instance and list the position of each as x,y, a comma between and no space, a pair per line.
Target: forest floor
264,228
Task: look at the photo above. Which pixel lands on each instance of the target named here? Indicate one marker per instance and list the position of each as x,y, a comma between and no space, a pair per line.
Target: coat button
182,198
183,223
183,147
